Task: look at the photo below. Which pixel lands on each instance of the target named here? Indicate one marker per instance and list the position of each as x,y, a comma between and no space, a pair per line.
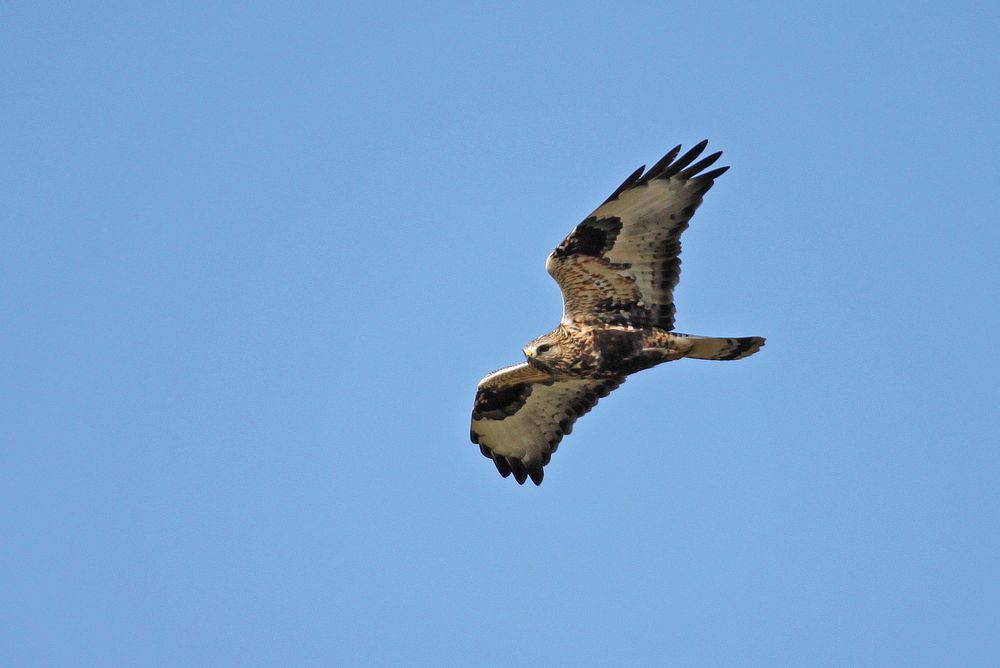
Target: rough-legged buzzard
617,271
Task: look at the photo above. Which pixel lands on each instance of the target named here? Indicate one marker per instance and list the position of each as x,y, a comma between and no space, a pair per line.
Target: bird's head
543,350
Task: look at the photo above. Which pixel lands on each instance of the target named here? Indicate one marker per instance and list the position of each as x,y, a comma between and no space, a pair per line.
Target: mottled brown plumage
617,270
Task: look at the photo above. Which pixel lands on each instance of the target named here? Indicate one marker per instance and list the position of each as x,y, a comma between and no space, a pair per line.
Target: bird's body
605,352
617,271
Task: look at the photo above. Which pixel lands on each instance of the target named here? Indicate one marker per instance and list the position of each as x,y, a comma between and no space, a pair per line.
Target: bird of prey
617,271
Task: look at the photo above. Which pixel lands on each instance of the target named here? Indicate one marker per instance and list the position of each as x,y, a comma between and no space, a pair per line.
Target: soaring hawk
617,271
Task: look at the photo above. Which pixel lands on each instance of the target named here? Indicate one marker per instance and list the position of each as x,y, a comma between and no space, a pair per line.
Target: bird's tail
710,348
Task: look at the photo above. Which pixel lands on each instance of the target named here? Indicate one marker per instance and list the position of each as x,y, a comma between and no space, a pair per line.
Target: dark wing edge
520,416
666,168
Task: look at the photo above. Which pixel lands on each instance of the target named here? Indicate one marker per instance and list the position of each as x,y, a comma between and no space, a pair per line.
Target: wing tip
517,468
675,167
502,465
663,163
712,175
536,475
667,167
633,179
507,466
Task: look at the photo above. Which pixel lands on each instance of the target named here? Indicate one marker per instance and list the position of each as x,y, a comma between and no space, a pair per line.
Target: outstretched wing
521,414
620,265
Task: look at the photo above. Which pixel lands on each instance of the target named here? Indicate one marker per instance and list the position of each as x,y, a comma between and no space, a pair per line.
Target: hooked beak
529,353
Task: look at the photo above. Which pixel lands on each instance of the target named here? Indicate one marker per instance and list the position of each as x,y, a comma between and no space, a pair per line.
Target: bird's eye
542,349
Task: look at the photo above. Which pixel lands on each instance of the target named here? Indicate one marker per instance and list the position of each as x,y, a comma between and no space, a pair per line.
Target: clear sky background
253,262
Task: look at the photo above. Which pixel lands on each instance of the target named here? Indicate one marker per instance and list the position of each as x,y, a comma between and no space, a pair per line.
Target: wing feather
521,414
621,264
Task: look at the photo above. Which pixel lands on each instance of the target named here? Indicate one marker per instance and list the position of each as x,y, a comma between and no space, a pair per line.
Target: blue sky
255,260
